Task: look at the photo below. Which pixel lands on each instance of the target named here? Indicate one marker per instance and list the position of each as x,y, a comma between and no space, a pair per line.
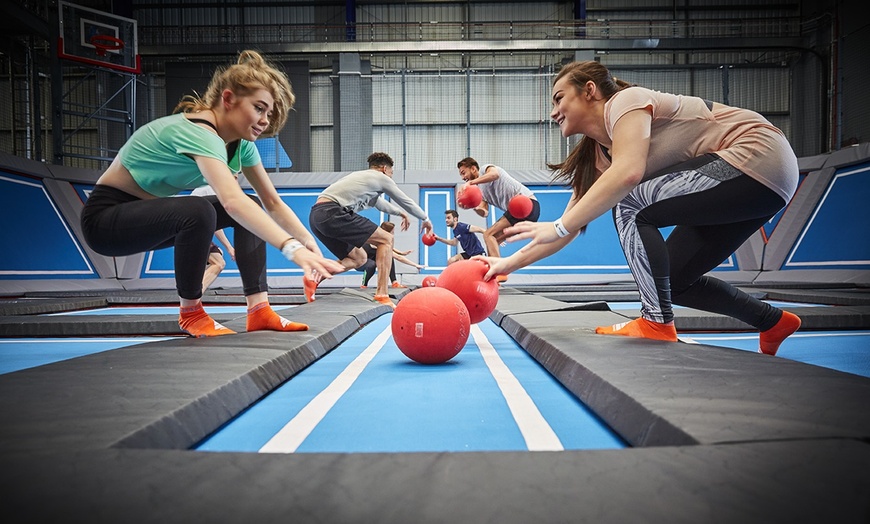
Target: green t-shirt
159,155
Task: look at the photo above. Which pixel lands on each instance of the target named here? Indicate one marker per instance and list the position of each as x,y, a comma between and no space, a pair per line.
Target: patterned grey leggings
715,208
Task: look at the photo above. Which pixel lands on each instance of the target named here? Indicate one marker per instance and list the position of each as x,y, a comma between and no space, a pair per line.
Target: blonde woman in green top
205,142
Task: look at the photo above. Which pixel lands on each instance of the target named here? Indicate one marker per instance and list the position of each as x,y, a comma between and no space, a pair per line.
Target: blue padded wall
272,154
41,242
37,241
835,235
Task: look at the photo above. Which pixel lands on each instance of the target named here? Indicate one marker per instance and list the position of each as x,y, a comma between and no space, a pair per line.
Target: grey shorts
339,229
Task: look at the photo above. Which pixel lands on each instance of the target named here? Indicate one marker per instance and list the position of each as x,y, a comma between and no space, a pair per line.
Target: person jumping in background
334,219
717,173
464,236
370,267
214,265
497,188
216,262
208,139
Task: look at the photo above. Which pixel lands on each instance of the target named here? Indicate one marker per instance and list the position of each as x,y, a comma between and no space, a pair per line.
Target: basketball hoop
106,43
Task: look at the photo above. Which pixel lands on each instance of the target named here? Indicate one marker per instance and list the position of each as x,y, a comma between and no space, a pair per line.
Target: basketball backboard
98,38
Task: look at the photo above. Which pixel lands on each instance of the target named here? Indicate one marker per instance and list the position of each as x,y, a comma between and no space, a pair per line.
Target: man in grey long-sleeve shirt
335,222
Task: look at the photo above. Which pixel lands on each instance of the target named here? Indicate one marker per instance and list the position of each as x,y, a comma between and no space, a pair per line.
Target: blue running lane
397,405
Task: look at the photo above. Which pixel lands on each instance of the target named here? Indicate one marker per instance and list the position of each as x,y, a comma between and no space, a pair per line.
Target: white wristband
560,229
290,249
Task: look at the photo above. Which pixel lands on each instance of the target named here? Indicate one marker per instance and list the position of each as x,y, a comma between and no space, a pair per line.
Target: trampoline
127,420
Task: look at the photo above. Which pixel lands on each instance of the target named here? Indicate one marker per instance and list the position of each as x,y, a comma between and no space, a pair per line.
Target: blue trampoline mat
397,405
847,351
17,354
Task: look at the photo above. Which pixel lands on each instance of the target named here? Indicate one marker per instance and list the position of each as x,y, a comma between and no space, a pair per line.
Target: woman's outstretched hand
497,266
314,264
537,232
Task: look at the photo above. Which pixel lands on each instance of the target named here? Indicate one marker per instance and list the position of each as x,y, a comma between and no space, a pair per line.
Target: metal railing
164,35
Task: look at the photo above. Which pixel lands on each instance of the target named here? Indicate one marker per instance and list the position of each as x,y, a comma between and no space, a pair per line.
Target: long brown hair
579,168
249,73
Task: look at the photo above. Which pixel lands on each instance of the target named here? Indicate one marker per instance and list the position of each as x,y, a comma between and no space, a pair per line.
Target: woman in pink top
717,173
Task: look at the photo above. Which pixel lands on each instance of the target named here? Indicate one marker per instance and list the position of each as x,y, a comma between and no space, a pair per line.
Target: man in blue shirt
463,235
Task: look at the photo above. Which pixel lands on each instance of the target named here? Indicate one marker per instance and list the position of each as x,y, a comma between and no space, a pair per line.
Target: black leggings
370,266
715,208
116,223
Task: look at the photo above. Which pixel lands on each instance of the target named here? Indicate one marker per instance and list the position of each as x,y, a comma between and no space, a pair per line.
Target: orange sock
195,322
262,317
641,328
310,288
385,300
770,340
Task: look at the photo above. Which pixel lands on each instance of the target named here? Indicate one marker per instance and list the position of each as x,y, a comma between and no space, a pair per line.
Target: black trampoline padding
514,301
574,296
829,318
672,393
164,296
274,299
804,481
615,288
836,297
167,394
93,325
135,324
45,306
154,296
721,435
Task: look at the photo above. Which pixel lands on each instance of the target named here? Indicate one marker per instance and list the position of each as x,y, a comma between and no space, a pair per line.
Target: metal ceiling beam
485,46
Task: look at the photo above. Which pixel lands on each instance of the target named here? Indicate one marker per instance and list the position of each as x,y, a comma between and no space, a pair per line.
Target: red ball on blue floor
465,279
520,206
469,198
430,325
429,281
429,239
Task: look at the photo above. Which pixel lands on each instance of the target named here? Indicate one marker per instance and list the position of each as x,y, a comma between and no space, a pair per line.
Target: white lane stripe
538,434
291,436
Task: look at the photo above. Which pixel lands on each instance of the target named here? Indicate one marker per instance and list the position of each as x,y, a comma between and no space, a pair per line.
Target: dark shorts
466,256
213,248
339,229
533,216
